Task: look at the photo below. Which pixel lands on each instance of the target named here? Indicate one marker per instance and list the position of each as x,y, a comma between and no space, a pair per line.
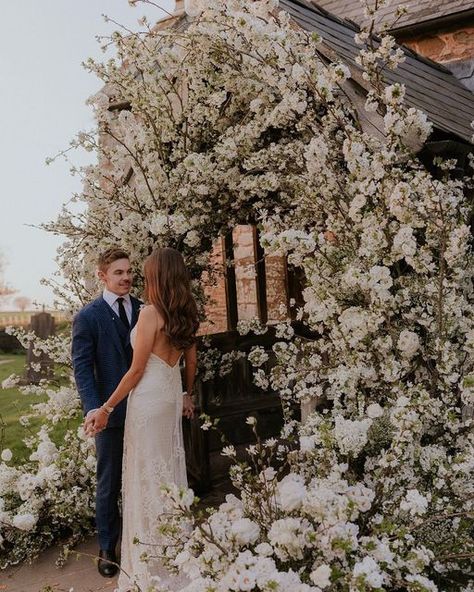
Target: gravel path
79,574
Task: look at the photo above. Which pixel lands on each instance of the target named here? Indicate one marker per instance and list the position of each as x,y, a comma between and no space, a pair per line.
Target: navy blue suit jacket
101,355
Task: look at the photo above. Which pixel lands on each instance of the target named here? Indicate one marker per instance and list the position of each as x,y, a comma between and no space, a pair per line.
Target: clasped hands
97,420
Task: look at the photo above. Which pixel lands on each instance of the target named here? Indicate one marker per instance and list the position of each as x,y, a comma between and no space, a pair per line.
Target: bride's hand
188,406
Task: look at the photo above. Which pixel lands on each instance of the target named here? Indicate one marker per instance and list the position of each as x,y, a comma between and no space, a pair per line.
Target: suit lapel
115,328
112,322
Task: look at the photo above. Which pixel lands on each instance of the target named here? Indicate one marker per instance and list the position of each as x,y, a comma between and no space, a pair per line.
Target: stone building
250,284
441,31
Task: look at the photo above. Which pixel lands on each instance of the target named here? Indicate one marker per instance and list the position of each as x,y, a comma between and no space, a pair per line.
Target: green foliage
15,404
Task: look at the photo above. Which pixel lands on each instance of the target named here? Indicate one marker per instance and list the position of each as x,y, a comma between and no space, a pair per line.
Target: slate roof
420,12
429,86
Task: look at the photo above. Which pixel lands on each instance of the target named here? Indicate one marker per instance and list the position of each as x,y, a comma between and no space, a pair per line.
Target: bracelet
107,408
185,393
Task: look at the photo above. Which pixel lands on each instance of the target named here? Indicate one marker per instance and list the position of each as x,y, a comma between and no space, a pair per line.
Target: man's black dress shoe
106,565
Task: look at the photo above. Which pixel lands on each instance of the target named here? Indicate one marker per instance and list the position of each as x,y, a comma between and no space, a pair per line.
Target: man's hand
89,428
188,406
95,421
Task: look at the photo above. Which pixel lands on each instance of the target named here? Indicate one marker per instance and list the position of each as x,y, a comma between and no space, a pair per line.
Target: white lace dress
153,456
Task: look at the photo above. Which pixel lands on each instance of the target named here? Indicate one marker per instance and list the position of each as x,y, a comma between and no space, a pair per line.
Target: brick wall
216,310
454,48
245,277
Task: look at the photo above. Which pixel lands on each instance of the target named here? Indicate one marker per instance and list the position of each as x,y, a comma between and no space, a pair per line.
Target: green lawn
14,404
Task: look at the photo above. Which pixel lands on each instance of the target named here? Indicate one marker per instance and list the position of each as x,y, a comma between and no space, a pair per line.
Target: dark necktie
122,313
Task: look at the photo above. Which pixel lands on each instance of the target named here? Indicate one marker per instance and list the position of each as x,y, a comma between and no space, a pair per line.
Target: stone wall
453,47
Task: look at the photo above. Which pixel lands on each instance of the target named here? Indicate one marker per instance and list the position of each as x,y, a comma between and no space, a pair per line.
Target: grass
14,404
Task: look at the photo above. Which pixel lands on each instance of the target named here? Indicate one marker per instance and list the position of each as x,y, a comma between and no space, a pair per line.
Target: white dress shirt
111,300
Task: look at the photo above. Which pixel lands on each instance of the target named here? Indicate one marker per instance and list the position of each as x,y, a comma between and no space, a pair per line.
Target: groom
101,355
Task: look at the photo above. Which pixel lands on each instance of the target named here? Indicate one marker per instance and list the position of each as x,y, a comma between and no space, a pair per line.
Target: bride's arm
144,340
190,364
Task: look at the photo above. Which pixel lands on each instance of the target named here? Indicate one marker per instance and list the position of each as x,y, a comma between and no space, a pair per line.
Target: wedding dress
153,456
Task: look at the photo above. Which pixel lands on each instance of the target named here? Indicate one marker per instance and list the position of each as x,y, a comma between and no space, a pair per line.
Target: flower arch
235,119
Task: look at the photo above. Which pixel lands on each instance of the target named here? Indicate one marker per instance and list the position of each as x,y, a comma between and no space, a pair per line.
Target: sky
43,89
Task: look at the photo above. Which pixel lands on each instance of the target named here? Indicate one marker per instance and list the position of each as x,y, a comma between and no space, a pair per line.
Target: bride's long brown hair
168,288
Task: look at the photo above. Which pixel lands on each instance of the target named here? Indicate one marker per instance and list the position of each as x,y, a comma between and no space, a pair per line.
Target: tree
22,302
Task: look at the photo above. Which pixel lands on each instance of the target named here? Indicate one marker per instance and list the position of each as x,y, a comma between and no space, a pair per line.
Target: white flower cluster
49,496
351,435
260,132
312,532
245,326
257,356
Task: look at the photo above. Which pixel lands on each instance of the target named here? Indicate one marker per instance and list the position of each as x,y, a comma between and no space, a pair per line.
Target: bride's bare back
162,348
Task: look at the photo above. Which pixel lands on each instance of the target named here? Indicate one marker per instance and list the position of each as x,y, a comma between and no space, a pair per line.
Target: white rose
264,549
408,343
320,576
404,242
245,531
25,521
6,455
374,410
307,443
351,436
291,492
192,239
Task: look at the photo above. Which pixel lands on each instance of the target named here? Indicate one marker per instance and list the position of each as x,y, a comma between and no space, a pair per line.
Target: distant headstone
40,366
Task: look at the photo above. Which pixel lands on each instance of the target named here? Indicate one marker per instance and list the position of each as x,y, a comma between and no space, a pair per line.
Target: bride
153,441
